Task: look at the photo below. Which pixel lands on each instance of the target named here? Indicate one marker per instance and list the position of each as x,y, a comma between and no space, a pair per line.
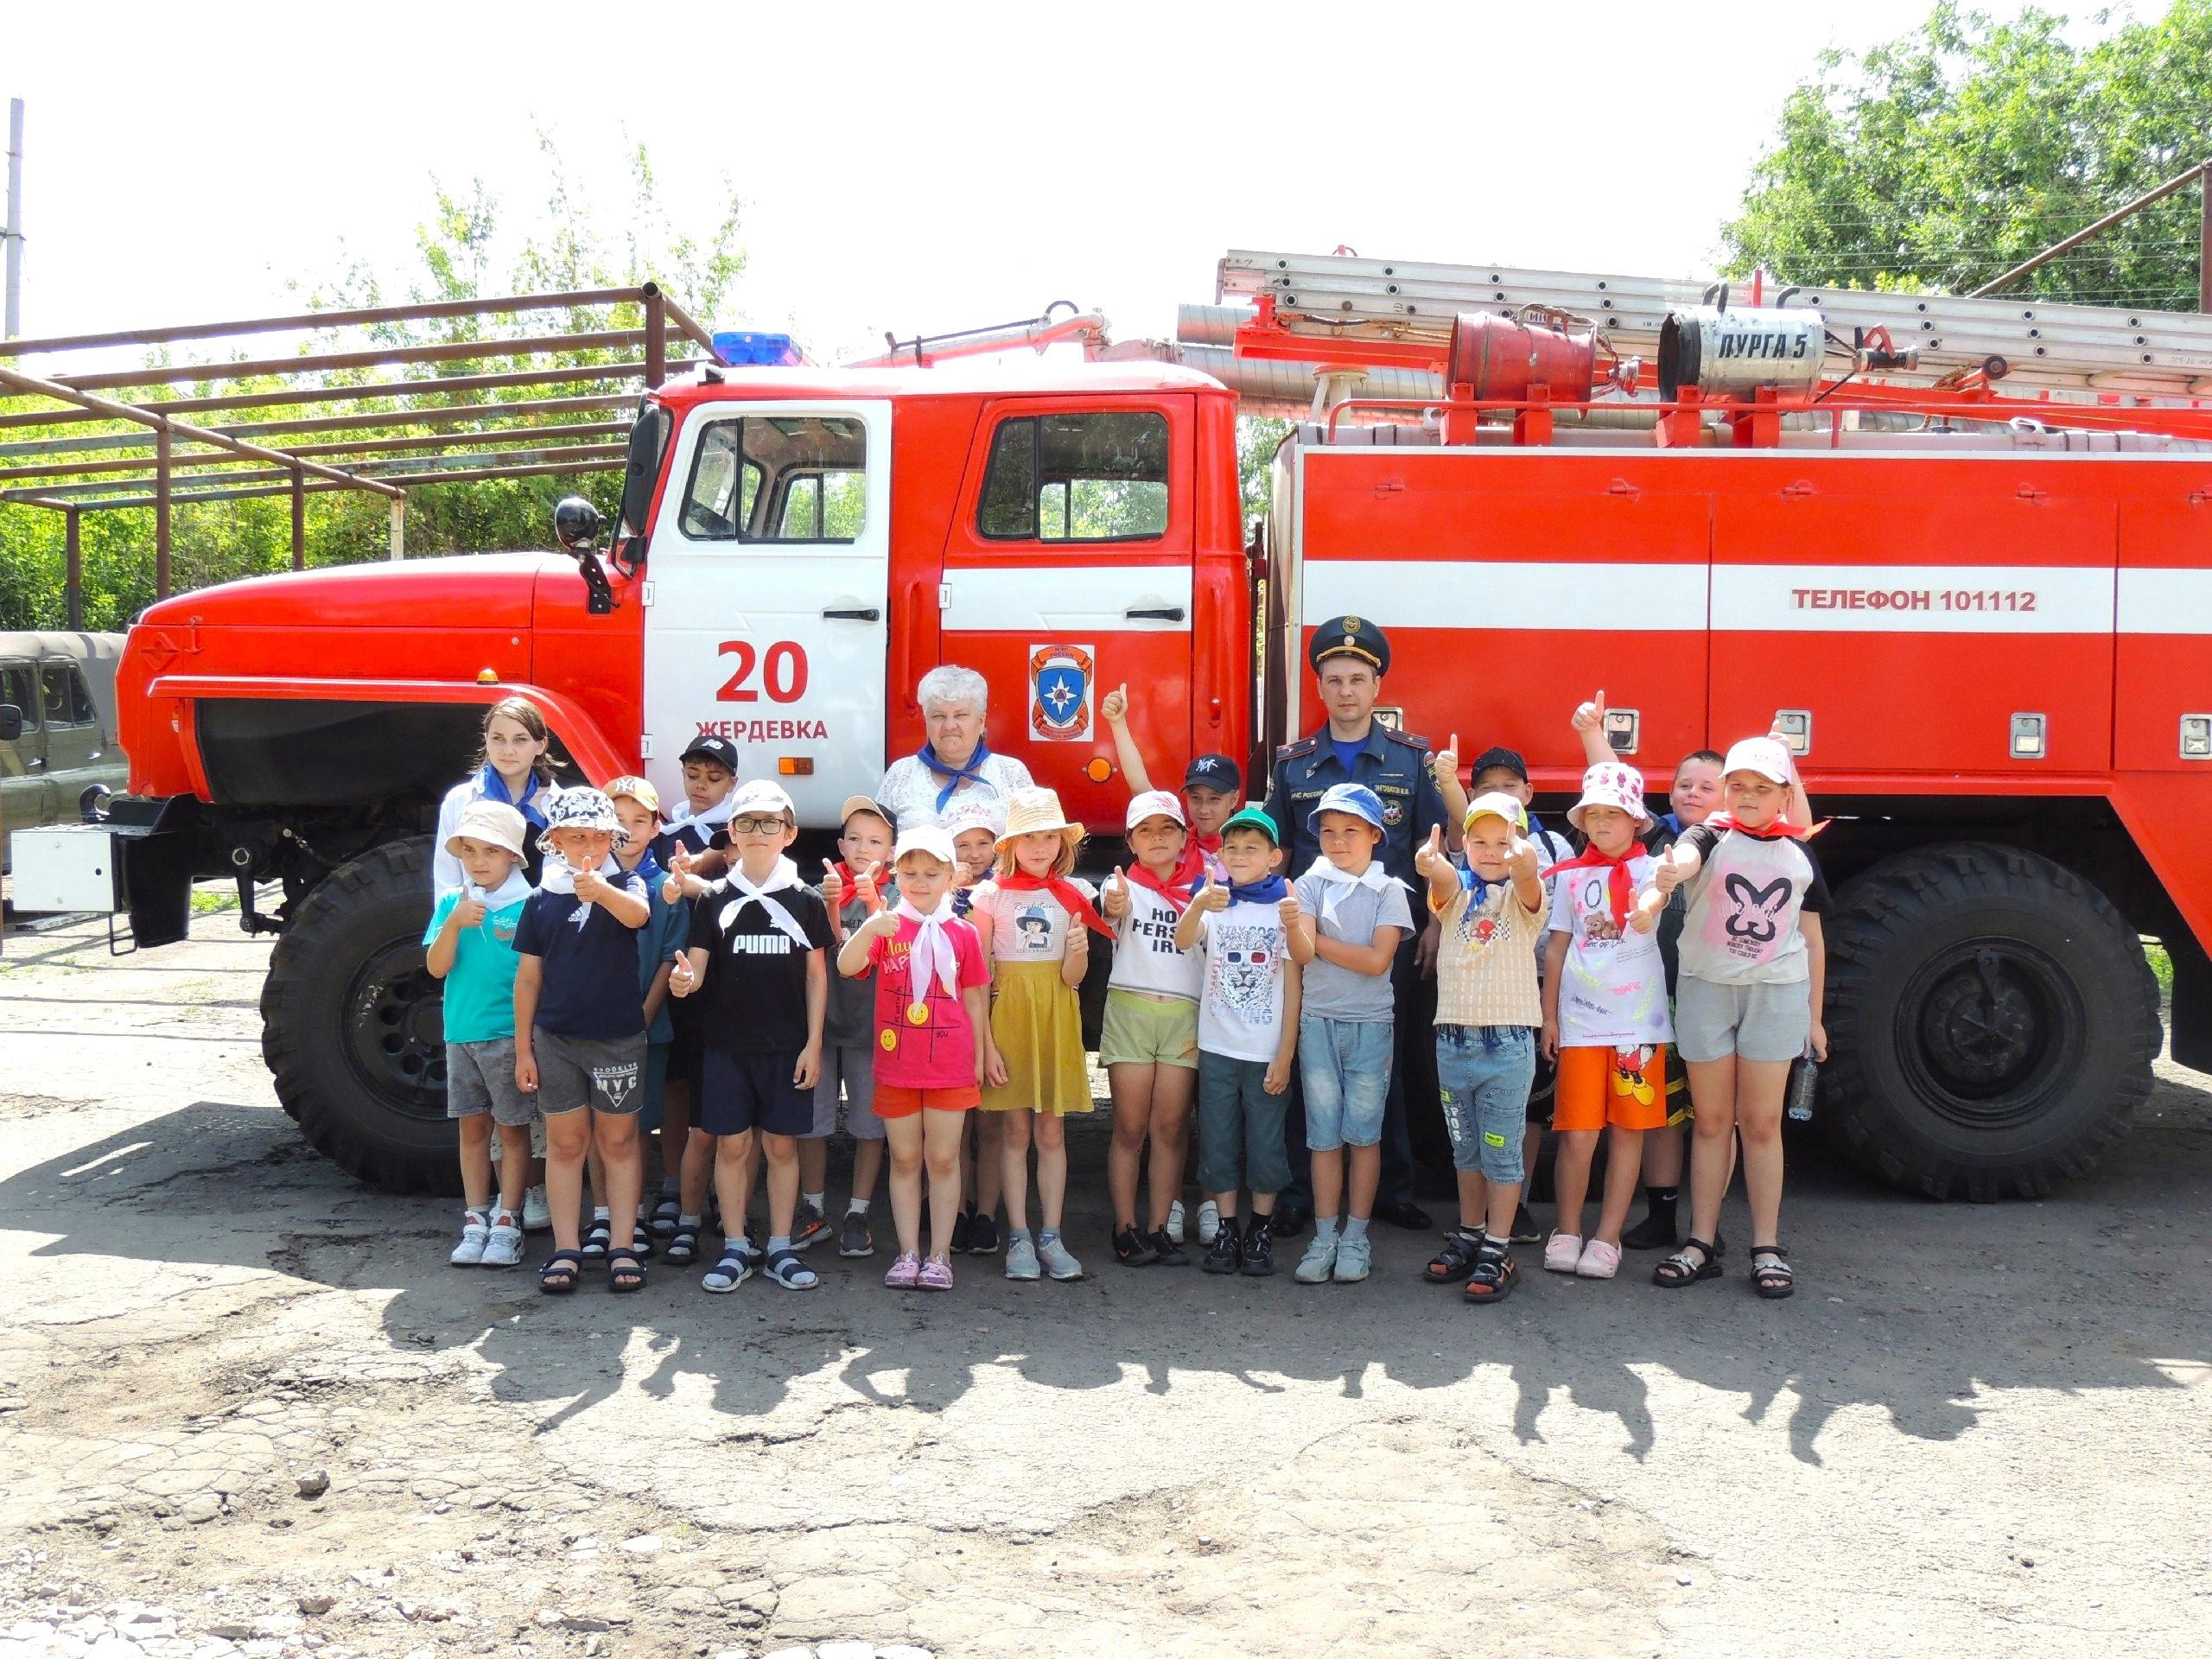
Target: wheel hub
1989,1029
396,1030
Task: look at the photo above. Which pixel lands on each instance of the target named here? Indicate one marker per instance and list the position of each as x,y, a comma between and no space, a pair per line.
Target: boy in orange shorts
1605,1017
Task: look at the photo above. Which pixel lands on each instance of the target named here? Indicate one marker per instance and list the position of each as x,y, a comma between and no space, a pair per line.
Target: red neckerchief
1780,829
1620,889
1178,887
1069,894
1206,844
853,887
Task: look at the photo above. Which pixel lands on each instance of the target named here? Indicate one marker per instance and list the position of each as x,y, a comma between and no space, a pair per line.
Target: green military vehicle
61,741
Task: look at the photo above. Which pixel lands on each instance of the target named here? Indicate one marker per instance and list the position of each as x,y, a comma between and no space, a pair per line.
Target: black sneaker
1226,1253
1133,1249
1170,1253
983,1236
962,1225
1259,1249
1525,1231
1290,1220
1654,1232
809,1228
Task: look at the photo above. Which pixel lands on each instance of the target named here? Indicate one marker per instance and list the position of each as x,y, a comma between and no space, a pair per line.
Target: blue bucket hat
1356,798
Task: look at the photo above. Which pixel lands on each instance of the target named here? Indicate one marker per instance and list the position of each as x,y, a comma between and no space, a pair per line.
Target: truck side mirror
11,722
577,526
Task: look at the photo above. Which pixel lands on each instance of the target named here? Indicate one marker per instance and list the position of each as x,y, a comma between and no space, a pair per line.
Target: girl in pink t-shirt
932,1043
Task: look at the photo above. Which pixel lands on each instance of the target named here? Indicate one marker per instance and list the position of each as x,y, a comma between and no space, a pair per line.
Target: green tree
563,247
1938,160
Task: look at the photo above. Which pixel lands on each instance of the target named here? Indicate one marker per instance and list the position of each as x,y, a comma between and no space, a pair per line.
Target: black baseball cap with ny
720,750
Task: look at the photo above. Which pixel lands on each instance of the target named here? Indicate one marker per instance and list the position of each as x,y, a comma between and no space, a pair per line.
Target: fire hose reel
1730,352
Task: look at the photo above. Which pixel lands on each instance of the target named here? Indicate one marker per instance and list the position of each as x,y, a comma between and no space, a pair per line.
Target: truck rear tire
352,1023
1990,1020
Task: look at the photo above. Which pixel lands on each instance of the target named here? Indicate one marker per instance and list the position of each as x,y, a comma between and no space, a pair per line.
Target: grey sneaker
857,1240
503,1248
1020,1256
536,1214
1058,1262
1355,1260
1209,1221
475,1232
1318,1262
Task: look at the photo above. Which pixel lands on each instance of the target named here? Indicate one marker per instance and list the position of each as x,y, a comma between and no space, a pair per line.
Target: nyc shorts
1148,1031
1754,1022
854,1069
575,1072
1626,1088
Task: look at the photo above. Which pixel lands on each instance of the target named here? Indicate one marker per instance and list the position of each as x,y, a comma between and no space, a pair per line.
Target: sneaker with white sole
536,1214
1209,1221
1355,1258
503,1246
1174,1228
857,1240
1320,1262
1020,1257
1058,1263
475,1232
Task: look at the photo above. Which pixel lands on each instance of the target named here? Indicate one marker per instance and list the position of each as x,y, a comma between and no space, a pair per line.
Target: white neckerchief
715,817
559,877
933,944
1373,878
512,891
783,877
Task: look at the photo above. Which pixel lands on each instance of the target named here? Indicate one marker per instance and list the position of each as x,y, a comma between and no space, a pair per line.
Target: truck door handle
871,615
1164,614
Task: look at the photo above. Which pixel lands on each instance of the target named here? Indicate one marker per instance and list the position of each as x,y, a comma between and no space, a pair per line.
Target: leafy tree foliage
1937,161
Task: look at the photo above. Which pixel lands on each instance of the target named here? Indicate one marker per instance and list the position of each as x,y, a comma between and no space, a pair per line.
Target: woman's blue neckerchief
493,787
973,771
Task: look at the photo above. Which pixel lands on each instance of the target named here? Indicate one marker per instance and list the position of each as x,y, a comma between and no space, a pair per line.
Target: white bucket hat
1611,784
490,821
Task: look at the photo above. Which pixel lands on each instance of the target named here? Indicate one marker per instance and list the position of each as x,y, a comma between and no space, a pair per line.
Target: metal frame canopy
450,414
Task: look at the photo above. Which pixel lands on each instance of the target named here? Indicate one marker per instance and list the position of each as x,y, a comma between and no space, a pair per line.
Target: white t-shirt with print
1145,956
1744,902
1028,926
1613,989
1241,1013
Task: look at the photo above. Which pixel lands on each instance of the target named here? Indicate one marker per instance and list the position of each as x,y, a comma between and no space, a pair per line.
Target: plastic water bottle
1804,1081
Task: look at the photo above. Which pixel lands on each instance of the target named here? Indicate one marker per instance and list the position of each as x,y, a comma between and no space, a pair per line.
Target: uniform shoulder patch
1411,739
1302,747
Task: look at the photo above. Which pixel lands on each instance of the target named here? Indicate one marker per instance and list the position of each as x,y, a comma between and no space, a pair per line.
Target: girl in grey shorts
1748,1002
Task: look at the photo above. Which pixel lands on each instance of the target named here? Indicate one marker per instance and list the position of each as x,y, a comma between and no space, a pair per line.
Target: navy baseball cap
720,750
1504,758
1215,771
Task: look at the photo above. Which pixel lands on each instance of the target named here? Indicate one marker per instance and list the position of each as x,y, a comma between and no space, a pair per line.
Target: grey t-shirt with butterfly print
1744,905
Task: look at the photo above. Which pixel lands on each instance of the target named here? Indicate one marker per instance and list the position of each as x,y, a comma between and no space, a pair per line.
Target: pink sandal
1561,1252
905,1273
1598,1260
936,1274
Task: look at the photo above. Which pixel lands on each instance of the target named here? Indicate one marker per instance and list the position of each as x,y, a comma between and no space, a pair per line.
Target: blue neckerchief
964,900
1479,886
1270,890
1536,824
650,872
493,787
1674,822
973,771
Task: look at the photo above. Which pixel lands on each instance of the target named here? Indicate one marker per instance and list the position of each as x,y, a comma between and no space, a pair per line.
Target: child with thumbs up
852,888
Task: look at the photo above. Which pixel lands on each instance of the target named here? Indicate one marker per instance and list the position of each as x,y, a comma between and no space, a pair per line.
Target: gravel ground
246,1406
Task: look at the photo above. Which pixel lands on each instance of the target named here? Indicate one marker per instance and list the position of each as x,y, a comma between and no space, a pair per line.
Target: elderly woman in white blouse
954,763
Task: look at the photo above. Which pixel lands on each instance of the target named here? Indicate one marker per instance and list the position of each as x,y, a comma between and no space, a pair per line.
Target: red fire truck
1982,611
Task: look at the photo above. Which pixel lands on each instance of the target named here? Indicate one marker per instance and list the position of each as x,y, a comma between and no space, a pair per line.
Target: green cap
1254,817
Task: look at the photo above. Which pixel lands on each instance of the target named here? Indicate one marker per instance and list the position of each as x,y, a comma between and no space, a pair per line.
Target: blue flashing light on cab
748,348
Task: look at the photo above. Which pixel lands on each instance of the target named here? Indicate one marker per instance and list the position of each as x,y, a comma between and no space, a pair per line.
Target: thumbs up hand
682,981
867,889
833,887
1521,865
1429,857
1114,707
1115,899
1590,716
1210,895
1447,758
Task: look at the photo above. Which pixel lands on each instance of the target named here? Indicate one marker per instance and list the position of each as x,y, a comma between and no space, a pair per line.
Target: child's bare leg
991,1160
614,1136
1571,1177
1503,1201
1713,1151
782,1153
1131,1088
971,1159
595,1171
568,1136
1328,1176
476,1160
1051,1134
514,1165
903,1138
813,1163
1532,1147
1624,1162
733,1165
868,1168
940,1136
1175,1088
700,1158
1366,1165
1013,1164
1474,1200
1760,1087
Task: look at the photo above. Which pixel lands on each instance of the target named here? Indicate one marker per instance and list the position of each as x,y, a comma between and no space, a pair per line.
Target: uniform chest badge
1394,813
1060,685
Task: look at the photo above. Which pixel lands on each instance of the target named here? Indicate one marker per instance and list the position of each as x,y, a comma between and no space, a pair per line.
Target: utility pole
15,231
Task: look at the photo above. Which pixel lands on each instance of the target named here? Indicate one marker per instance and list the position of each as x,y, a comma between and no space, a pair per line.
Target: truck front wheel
1990,1018
352,1023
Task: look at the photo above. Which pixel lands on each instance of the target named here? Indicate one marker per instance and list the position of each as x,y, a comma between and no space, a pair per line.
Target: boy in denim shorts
1487,1012
1351,917
471,947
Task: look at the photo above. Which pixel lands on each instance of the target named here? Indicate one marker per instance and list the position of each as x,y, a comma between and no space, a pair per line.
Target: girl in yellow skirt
1036,920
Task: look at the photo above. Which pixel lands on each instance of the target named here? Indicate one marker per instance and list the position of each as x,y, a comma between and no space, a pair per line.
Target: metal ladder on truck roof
2076,350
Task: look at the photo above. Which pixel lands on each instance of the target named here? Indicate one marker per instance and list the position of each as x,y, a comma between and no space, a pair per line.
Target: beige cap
1034,810
865,803
489,821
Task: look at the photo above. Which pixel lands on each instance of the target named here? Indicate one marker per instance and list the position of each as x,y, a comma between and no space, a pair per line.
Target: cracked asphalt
246,1407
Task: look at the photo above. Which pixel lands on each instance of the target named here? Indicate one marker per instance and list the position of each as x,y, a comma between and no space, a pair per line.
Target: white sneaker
536,1214
474,1233
503,1248
1057,1260
1175,1222
1209,1221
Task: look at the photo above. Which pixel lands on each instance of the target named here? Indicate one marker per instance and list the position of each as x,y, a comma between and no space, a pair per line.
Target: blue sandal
625,1271
558,1276
681,1247
733,1269
788,1269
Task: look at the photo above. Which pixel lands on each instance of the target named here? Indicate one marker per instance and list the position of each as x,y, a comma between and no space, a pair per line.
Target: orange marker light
795,766
1099,769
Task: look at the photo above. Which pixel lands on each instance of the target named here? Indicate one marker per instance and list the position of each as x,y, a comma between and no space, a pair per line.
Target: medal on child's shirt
918,1013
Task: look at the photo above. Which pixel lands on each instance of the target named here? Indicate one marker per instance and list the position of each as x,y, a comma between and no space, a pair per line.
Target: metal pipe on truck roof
37,499
162,513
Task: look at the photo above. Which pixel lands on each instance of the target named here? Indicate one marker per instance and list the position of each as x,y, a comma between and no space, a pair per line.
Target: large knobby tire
1990,1018
352,1025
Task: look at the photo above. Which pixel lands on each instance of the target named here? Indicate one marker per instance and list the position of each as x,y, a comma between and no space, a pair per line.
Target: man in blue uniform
1349,657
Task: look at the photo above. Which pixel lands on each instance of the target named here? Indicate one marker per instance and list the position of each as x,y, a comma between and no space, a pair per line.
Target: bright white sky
908,168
